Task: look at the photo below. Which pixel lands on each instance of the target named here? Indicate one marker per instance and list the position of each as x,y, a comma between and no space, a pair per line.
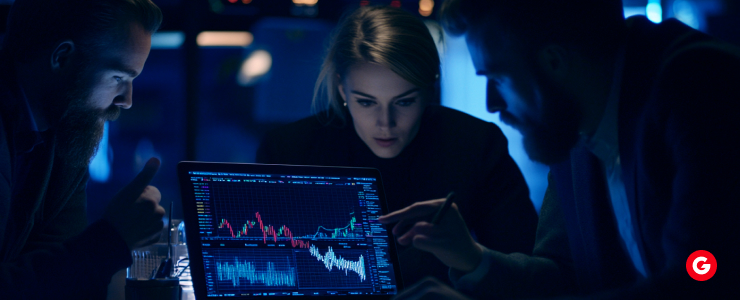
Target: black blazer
45,250
678,132
451,152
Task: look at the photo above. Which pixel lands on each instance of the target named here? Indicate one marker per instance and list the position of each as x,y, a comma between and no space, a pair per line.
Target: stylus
444,208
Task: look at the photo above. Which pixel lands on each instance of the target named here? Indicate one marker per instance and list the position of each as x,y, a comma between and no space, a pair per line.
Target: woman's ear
340,87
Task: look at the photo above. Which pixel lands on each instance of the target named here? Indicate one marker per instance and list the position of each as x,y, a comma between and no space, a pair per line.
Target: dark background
189,104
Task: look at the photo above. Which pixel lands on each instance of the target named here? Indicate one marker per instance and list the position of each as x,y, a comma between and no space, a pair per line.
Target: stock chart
283,236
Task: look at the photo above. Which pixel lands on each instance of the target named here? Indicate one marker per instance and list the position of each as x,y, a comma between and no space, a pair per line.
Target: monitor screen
310,232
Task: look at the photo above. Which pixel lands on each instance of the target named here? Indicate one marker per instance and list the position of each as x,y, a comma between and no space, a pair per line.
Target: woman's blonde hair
383,35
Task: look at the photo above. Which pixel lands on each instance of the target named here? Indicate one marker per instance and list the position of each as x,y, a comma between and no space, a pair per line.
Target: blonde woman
377,106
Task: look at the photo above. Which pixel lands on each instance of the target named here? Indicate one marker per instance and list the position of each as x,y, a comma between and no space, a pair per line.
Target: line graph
332,261
335,268
352,230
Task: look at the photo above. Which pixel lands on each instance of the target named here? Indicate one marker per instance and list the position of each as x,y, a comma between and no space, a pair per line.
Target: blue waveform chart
329,267
239,270
247,271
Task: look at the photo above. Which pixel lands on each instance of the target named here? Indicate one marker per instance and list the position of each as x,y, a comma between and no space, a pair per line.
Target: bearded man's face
101,88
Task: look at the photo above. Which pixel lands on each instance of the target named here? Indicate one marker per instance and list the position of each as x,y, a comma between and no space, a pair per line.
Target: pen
443,209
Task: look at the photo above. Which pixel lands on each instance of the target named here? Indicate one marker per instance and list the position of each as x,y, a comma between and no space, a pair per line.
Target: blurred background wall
221,73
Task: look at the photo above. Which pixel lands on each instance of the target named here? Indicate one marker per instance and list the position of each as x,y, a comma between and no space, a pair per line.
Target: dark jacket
45,250
451,152
678,133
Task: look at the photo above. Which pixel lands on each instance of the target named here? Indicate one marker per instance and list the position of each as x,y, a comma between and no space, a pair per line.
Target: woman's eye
118,78
405,102
365,102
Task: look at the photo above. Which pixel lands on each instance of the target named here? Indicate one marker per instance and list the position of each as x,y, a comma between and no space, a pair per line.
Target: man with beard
67,68
638,124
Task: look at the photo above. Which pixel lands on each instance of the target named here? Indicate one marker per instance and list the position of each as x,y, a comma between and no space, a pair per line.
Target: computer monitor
285,231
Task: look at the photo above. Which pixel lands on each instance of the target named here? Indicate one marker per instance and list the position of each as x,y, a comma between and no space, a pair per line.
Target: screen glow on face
386,109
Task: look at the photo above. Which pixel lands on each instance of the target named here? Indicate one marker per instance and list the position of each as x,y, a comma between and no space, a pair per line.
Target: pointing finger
416,210
418,228
428,243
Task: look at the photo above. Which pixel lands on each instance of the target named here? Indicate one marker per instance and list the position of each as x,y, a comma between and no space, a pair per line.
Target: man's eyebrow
130,72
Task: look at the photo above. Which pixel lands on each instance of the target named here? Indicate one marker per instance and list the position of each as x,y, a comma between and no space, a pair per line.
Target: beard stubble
550,138
81,127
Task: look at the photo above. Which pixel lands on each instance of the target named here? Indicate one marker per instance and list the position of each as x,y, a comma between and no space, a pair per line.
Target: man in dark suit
638,124
66,69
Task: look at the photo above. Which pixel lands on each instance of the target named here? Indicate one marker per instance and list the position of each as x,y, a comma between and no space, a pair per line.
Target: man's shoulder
672,42
707,58
696,73
669,63
691,86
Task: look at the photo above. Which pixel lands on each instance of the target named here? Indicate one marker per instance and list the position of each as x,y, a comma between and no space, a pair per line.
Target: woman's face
386,109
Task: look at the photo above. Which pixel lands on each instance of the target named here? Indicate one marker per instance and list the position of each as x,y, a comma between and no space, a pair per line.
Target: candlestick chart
321,214
283,232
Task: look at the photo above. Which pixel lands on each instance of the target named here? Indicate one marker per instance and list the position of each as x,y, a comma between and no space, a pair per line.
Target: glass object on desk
146,260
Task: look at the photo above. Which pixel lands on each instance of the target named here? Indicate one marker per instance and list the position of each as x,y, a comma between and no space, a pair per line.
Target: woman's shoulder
450,124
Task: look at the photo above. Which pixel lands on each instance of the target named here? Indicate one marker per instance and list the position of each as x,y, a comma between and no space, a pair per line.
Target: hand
135,211
427,289
449,241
